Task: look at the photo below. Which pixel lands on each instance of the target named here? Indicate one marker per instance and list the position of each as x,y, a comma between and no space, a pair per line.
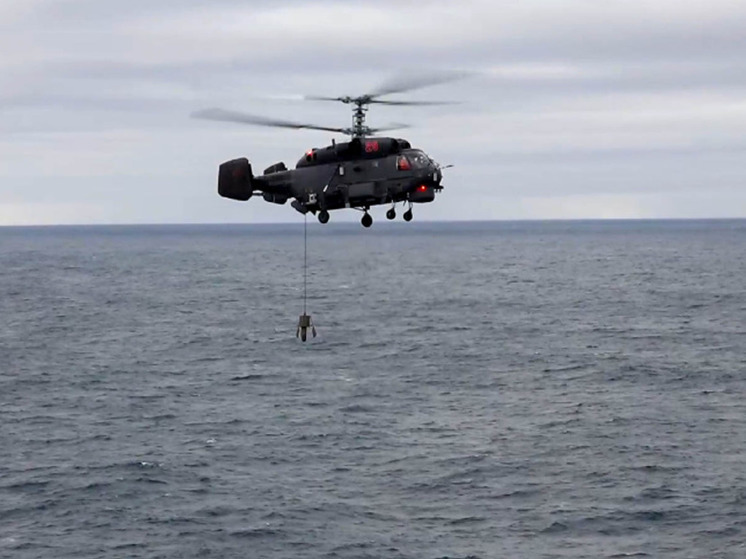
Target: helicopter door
339,186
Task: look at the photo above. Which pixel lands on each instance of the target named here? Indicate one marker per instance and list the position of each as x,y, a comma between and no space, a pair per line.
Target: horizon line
351,222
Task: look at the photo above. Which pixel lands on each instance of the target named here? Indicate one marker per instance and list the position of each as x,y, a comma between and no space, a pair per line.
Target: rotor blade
409,82
321,98
386,102
244,118
392,126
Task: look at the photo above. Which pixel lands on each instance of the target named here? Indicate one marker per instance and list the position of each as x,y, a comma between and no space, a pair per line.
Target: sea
559,389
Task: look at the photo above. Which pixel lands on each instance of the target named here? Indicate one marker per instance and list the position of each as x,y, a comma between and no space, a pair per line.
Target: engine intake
234,179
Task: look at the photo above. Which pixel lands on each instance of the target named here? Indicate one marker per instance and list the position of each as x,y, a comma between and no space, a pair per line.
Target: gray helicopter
368,170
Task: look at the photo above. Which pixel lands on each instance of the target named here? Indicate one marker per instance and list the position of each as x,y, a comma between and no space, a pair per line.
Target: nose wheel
408,215
367,220
391,214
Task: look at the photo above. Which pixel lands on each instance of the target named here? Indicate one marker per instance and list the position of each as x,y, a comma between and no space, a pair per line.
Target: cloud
597,101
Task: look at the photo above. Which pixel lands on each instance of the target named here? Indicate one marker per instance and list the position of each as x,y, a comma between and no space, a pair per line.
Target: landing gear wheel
391,214
323,216
367,220
408,215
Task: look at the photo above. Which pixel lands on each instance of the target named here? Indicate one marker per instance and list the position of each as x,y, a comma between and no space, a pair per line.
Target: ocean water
483,390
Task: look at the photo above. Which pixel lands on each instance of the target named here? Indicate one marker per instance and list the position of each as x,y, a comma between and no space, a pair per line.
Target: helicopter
366,171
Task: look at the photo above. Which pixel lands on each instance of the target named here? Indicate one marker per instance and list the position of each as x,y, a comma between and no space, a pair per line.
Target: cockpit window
418,159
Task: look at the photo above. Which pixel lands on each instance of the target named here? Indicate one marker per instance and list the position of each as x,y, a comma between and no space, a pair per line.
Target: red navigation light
422,188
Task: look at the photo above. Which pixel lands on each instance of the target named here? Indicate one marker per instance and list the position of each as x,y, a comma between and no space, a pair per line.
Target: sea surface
481,390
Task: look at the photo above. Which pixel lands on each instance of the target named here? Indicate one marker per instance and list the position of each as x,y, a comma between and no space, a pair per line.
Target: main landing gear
323,216
391,214
408,215
367,220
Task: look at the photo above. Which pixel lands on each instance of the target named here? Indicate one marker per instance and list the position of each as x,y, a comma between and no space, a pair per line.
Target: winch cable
305,261
304,322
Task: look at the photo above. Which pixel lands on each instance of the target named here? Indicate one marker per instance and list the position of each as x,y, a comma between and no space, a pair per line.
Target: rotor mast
358,120
359,129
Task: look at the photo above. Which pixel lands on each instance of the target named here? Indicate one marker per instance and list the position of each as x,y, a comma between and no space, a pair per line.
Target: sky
572,109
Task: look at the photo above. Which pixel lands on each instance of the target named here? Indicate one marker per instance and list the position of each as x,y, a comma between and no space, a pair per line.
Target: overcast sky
576,108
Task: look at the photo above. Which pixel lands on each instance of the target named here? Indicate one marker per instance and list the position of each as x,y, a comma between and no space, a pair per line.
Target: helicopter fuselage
359,174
